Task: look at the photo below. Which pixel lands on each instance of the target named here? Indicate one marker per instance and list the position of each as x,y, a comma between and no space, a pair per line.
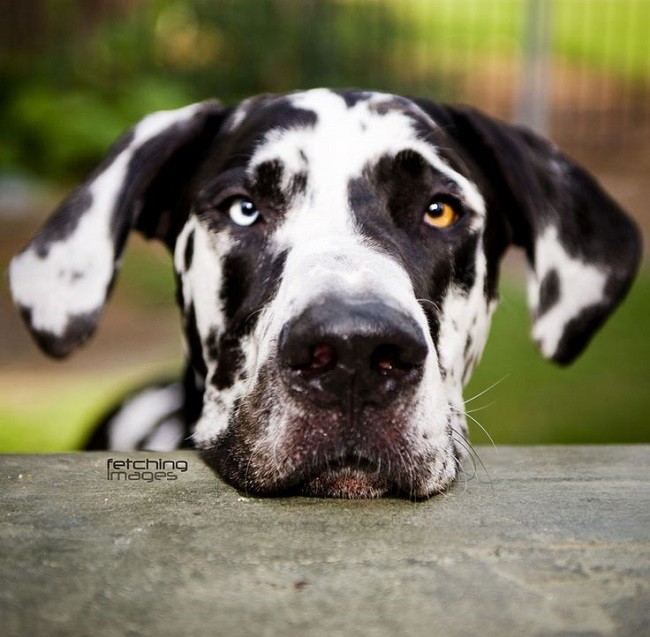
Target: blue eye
243,212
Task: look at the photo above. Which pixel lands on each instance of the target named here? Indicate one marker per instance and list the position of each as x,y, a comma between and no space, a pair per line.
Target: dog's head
337,257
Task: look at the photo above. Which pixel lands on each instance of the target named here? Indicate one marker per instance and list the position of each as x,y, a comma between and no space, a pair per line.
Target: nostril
323,356
315,358
389,360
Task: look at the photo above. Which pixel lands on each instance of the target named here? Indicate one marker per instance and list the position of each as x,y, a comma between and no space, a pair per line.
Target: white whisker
484,430
471,411
469,400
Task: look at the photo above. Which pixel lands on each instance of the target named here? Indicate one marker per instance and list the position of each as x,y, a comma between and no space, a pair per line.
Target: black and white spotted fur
335,184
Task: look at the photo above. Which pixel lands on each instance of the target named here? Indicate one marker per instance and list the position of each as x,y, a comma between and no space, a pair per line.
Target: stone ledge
556,541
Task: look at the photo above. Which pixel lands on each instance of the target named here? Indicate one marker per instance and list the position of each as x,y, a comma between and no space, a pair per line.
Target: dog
337,260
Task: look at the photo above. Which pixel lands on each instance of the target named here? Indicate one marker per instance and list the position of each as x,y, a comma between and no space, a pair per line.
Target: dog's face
334,272
337,260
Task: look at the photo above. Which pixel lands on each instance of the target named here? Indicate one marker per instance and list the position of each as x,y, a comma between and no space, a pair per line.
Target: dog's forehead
329,132
354,130
335,135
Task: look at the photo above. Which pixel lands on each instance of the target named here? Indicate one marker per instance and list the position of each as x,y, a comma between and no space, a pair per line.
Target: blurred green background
74,74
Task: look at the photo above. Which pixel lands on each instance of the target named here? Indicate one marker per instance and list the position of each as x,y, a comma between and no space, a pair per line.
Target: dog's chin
346,482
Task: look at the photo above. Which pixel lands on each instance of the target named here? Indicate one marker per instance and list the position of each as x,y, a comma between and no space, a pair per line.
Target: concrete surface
555,542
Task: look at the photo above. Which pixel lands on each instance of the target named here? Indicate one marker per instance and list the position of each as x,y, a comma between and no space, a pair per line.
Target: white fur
166,437
218,405
134,421
582,285
462,315
239,115
201,284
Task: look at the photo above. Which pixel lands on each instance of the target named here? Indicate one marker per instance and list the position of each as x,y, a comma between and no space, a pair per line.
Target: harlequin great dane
337,256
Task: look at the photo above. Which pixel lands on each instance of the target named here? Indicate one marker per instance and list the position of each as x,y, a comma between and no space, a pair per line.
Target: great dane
337,257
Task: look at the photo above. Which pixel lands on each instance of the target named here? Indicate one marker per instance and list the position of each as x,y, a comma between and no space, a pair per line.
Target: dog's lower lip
353,478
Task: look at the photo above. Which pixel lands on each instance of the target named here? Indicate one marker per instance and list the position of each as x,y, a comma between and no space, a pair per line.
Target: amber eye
440,214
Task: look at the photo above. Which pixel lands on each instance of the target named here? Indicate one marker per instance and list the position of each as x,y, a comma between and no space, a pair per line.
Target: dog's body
337,257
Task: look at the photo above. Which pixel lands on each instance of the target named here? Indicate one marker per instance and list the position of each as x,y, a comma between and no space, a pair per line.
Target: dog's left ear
582,249
62,279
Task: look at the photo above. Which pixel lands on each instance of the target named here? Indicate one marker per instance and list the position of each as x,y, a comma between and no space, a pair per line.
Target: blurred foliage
67,98
75,73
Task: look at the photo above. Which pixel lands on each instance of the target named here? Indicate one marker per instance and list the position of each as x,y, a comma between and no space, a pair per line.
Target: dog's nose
351,353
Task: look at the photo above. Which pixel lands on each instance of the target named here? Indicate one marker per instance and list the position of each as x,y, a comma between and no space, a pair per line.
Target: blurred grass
54,411
604,397
147,275
61,417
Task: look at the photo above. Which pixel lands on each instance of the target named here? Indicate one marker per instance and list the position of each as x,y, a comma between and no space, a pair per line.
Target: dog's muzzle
349,354
330,415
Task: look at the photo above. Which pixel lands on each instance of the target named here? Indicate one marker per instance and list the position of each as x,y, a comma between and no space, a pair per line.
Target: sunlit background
75,73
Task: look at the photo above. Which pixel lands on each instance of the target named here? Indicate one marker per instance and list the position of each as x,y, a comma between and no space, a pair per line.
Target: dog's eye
440,214
243,212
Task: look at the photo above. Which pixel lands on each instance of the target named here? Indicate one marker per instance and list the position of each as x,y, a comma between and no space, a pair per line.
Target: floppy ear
61,280
582,249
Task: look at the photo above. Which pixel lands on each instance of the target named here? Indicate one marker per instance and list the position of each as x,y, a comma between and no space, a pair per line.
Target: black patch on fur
297,185
433,319
157,176
64,222
188,255
360,196
231,360
549,292
267,182
194,388
465,264
194,341
392,103
578,331
388,201
274,268
353,97
236,281
411,162
270,112
289,116
79,328
180,297
468,344
212,346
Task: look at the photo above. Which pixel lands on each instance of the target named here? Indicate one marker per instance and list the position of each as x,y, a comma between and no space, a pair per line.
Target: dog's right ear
61,280
583,250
